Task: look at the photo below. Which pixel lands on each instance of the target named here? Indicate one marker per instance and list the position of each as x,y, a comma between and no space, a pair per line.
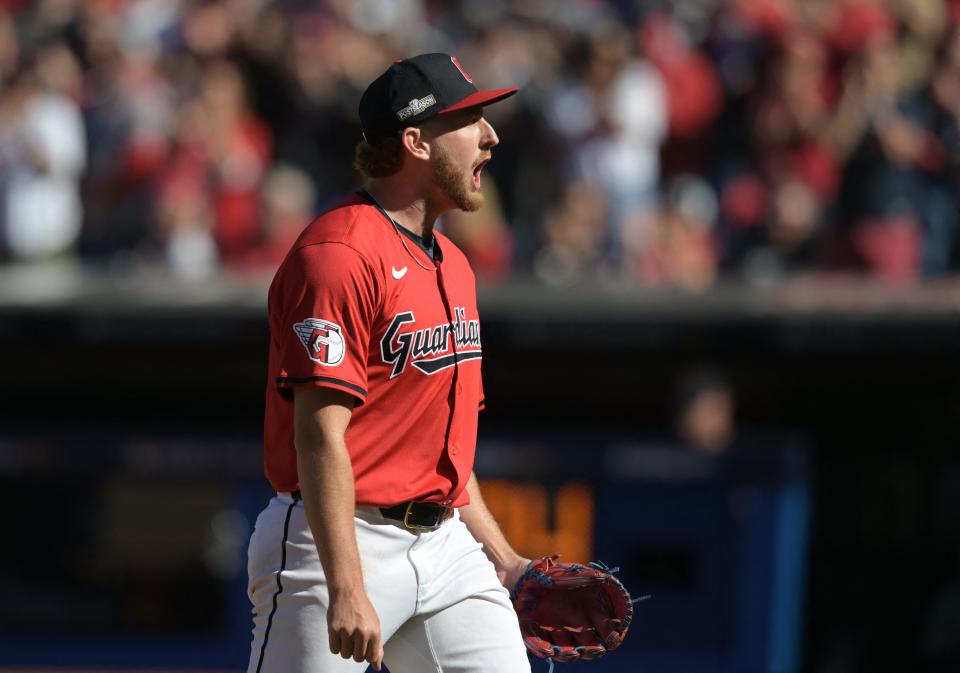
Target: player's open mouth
476,173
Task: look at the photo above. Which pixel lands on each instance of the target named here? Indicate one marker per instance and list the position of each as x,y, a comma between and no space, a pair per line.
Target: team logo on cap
416,106
460,68
322,339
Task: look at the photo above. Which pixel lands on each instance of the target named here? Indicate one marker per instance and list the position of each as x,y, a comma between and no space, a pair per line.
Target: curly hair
380,158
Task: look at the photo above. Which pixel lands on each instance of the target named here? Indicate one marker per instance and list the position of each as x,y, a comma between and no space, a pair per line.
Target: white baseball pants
441,607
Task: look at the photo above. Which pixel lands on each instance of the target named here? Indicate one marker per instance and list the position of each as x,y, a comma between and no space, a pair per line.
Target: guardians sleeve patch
322,339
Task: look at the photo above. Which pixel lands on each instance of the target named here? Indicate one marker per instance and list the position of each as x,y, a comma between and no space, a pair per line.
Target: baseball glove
571,611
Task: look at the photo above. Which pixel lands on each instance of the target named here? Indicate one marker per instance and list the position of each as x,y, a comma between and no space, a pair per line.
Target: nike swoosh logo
398,273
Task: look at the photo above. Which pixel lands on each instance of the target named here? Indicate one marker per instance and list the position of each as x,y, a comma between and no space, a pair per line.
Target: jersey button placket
452,447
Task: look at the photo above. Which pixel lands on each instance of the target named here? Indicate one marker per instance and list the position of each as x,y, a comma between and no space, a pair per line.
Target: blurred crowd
656,143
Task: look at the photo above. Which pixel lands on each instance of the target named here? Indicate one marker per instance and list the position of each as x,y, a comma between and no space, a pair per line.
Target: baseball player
378,547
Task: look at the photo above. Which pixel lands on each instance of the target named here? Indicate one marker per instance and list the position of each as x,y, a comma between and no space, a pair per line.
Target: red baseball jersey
360,307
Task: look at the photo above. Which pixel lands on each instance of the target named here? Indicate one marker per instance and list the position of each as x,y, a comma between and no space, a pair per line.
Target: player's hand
354,628
509,573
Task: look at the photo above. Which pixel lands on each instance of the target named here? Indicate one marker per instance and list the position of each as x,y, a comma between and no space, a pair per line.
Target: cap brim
485,97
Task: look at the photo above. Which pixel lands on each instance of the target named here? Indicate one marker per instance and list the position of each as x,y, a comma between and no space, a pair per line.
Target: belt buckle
417,526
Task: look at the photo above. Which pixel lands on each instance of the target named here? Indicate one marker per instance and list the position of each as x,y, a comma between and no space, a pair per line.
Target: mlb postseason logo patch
322,339
416,106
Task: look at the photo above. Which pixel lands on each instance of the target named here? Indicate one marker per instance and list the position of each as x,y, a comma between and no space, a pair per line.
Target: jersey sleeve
326,309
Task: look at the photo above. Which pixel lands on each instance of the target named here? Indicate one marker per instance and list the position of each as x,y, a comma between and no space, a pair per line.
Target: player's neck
405,204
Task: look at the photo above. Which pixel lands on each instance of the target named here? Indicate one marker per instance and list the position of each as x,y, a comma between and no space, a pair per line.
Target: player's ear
415,142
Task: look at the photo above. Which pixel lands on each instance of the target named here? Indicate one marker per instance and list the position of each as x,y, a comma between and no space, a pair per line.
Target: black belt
414,515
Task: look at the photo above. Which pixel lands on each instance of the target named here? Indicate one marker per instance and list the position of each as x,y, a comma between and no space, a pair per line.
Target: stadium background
718,280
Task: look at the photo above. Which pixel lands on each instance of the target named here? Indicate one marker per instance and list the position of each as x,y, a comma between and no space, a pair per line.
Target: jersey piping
287,380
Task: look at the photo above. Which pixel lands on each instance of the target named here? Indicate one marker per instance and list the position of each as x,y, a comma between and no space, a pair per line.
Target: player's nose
488,137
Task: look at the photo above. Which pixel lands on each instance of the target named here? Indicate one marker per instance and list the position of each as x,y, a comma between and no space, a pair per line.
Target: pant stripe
283,565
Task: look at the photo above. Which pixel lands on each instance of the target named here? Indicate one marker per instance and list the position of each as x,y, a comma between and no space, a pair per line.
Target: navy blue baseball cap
419,88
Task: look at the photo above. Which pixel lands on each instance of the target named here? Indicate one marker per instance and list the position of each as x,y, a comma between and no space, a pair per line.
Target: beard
454,182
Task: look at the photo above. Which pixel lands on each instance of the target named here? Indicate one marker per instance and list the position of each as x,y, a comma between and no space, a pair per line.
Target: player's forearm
327,488
484,528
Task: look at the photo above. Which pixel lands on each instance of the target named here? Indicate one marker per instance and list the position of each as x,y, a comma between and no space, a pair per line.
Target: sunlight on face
455,181
459,151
